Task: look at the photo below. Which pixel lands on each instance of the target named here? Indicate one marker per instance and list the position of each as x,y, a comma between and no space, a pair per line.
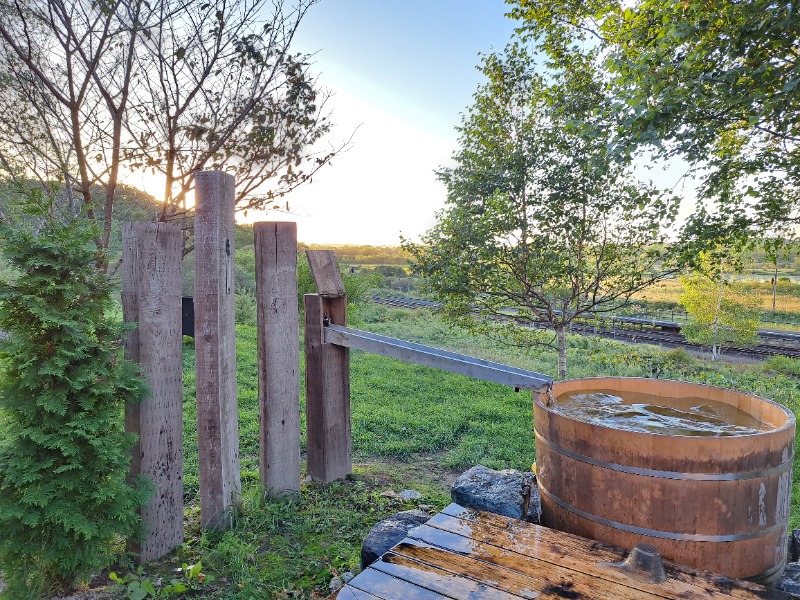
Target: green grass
413,427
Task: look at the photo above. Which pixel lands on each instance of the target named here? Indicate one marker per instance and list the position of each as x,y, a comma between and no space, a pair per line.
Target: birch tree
721,312
712,82
542,225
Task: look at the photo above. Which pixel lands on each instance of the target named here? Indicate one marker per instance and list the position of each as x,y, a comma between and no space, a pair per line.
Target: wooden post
151,298
328,434
278,356
215,350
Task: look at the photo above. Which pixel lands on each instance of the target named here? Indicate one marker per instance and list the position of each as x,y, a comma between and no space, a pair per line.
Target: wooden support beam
328,435
329,440
326,273
215,350
151,299
278,356
435,357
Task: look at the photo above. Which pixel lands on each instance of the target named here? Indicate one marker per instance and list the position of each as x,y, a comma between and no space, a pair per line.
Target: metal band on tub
763,578
669,535
785,466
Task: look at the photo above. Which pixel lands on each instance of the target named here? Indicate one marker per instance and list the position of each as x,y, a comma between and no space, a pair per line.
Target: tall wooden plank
278,356
151,299
326,274
215,350
328,434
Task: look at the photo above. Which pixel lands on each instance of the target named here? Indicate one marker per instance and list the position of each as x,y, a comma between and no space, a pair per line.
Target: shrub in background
356,286
64,453
783,364
246,308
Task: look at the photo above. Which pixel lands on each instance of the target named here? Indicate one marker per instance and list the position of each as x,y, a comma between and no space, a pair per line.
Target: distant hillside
363,255
133,204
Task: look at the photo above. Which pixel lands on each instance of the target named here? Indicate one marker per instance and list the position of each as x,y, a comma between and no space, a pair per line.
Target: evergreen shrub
64,454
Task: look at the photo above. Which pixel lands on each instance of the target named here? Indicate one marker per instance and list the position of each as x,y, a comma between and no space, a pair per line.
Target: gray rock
410,495
533,512
389,532
507,492
794,545
790,580
335,584
346,577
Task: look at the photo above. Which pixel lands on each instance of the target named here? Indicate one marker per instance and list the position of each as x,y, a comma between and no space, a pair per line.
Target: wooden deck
467,554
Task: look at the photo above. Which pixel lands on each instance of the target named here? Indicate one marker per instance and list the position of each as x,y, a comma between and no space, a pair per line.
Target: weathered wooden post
327,374
215,350
151,299
278,356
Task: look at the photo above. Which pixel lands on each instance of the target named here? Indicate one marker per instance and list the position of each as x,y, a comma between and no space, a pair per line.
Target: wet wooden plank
387,587
580,554
515,573
455,584
351,593
465,554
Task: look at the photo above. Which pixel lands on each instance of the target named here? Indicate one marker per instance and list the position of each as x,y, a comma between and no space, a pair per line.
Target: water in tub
631,411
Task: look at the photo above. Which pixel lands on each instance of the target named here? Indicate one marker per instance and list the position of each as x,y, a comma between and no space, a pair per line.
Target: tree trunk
775,287
561,340
715,345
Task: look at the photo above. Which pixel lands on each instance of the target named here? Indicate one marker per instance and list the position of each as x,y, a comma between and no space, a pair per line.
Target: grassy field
787,301
413,428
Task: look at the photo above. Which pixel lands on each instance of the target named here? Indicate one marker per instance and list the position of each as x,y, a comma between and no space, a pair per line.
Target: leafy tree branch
543,224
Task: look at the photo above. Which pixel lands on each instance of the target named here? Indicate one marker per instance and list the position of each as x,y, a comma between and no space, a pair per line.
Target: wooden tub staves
716,503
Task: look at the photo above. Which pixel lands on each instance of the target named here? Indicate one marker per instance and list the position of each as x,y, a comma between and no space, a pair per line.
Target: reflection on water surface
632,411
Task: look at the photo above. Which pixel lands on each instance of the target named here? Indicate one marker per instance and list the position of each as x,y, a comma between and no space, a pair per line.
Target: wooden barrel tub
715,503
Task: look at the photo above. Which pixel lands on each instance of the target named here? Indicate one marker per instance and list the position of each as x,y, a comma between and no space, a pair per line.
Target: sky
401,73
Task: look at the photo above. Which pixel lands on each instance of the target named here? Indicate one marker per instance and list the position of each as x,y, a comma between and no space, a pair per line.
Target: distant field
787,303
348,254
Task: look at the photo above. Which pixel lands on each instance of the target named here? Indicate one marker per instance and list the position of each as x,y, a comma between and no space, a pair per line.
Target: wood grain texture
748,512
510,575
151,299
328,435
388,587
215,350
586,555
348,593
449,574
467,554
326,274
278,356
